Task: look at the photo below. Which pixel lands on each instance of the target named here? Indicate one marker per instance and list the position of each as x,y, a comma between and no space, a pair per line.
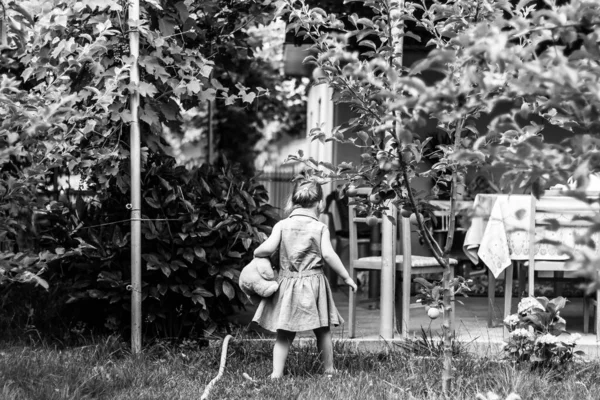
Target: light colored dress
304,300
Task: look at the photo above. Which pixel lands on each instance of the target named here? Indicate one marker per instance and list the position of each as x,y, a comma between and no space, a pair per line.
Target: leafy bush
199,227
534,333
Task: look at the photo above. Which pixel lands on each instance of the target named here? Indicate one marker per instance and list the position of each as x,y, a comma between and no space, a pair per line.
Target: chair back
353,220
557,212
357,220
442,213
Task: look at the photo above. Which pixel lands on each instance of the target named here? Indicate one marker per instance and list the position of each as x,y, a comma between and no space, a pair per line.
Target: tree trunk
448,289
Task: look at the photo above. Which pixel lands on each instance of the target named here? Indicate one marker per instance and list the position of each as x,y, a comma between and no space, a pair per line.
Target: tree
64,90
490,54
64,87
549,61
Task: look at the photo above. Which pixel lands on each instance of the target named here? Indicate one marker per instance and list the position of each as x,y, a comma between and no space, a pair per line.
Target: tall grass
106,370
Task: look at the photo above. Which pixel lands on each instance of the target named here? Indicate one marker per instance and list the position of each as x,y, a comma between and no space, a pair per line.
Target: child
304,300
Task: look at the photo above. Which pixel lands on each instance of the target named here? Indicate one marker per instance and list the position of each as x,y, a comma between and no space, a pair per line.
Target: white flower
521,333
528,304
512,320
573,338
547,339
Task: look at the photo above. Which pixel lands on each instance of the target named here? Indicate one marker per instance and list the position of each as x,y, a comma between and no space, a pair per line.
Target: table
498,234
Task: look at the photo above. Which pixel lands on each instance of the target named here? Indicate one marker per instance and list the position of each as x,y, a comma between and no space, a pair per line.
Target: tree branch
452,216
433,245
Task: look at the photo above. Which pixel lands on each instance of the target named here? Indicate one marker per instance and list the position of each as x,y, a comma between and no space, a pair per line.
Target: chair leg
586,313
530,283
491,298
398,306
406,281
597,316
352,308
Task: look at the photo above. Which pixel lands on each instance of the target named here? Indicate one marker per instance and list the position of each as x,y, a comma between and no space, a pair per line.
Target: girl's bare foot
274,376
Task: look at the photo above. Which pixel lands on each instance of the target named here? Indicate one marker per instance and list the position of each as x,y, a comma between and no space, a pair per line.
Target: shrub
535,333
199,228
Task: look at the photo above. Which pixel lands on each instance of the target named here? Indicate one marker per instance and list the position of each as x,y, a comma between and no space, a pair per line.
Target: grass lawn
106,370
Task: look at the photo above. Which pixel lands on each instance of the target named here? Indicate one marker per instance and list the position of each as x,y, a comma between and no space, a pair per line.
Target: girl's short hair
305,195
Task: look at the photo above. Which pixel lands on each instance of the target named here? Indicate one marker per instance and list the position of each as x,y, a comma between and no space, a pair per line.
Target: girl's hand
350,282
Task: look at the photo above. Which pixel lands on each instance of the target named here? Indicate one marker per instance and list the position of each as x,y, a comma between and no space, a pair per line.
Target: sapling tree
548,59
393,104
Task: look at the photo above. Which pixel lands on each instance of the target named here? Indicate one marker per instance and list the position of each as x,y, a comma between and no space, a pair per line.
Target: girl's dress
304,300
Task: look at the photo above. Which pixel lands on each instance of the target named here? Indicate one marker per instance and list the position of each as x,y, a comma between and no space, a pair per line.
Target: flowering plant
535,333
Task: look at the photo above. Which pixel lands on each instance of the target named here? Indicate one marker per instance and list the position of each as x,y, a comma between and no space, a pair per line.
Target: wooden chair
572,215
415,265
341,235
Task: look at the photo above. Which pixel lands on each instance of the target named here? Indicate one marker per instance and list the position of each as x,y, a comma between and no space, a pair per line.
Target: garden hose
221,369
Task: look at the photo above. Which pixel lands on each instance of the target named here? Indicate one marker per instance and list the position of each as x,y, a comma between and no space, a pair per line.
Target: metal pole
211,137
3,26
388,274
134,140
397,62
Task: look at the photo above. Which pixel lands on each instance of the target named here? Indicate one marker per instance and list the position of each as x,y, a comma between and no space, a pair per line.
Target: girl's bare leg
325,346
280,351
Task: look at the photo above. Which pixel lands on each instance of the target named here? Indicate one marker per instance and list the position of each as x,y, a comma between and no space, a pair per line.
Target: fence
279,186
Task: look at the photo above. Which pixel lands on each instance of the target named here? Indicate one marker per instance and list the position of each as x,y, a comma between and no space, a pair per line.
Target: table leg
491,298
521,276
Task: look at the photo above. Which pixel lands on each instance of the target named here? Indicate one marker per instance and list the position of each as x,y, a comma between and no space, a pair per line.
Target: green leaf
194,86
188,255
26,73
208,94
147,89
200,253
182,10
412,35
166,26
248,97
206,70
170,198
559,303
368,43
162,288
202,292
424,282
164,183
118,239
152,261
363,135
199,300
149,116
151,202
165,269
228,290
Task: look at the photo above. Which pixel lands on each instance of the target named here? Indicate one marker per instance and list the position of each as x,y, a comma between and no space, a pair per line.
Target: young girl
304,300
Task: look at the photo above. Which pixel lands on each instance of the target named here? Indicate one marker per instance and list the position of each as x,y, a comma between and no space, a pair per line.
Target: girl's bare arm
269,246
333,260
